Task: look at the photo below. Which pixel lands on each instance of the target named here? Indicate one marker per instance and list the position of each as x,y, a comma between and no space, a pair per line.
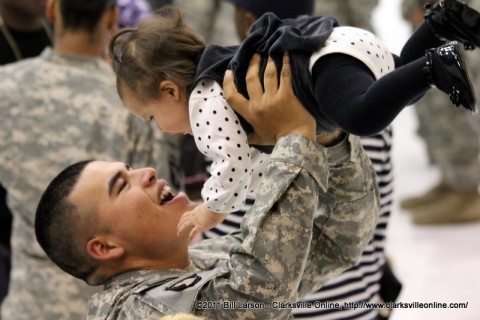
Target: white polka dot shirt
220,137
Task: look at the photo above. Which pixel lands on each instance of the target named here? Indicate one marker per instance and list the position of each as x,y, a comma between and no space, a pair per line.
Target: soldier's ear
101,248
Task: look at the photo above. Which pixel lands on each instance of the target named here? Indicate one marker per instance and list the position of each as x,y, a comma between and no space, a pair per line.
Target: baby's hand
200,219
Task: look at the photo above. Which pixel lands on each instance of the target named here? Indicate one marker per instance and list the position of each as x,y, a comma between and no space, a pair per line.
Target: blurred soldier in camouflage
56,109
24,33
284,250
452,141
355,13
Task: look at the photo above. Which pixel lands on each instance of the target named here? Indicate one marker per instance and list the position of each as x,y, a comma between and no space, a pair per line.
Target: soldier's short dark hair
58,223
83,14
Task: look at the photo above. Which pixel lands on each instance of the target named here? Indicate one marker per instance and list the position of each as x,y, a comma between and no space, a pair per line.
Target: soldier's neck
80,44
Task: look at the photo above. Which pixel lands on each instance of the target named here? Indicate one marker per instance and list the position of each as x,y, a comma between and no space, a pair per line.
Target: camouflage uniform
355,13
451,135
361,283
289,244
56,110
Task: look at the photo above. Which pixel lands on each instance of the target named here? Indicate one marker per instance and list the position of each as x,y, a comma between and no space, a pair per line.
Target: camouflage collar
85,62
142,277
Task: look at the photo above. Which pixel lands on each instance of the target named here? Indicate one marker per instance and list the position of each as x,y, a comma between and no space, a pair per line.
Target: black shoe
454,20
445,69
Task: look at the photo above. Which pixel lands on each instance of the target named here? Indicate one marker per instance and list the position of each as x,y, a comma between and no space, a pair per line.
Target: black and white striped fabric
361,283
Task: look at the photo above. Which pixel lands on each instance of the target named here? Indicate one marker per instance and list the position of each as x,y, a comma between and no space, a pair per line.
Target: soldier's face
134,208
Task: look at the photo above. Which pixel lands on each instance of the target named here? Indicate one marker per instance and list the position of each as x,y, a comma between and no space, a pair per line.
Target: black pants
350,96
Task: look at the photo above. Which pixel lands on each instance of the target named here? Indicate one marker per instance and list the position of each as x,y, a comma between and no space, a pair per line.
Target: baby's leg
354,101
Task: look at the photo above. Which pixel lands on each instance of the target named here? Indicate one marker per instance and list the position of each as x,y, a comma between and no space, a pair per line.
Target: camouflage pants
451,137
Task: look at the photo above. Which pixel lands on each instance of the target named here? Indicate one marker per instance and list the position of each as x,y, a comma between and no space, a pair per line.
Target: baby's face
169,110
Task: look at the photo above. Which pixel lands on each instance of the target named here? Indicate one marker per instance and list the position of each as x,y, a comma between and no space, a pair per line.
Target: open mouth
166,195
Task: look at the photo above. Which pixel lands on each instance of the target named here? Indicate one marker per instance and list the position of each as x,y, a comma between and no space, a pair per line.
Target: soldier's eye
122,186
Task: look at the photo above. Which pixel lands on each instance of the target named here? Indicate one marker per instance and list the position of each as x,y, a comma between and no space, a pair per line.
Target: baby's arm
219,136
200,219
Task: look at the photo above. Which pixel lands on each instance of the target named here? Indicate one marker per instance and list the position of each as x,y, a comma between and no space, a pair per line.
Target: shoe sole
470,100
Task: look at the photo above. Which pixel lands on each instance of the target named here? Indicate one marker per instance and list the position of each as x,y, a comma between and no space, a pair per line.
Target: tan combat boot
427,198
457,206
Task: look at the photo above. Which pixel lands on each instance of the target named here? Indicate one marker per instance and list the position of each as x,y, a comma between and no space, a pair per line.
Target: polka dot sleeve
219,136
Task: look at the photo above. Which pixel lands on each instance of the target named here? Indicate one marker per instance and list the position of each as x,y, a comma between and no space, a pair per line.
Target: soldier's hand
275,112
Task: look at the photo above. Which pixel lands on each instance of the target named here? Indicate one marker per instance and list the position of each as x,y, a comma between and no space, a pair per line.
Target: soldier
24,33
348,286
452,142
355,13
56,109
284,250
381,283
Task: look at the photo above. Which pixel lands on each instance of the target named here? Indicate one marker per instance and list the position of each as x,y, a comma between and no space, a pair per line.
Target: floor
435,264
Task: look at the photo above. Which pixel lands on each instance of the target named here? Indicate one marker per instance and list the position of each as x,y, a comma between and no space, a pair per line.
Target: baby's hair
162,47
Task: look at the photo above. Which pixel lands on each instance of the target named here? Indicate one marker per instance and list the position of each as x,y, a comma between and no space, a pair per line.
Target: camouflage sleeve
268,266
346,217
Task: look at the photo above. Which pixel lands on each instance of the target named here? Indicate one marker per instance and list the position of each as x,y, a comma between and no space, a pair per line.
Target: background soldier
24,33
55,109
452,141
